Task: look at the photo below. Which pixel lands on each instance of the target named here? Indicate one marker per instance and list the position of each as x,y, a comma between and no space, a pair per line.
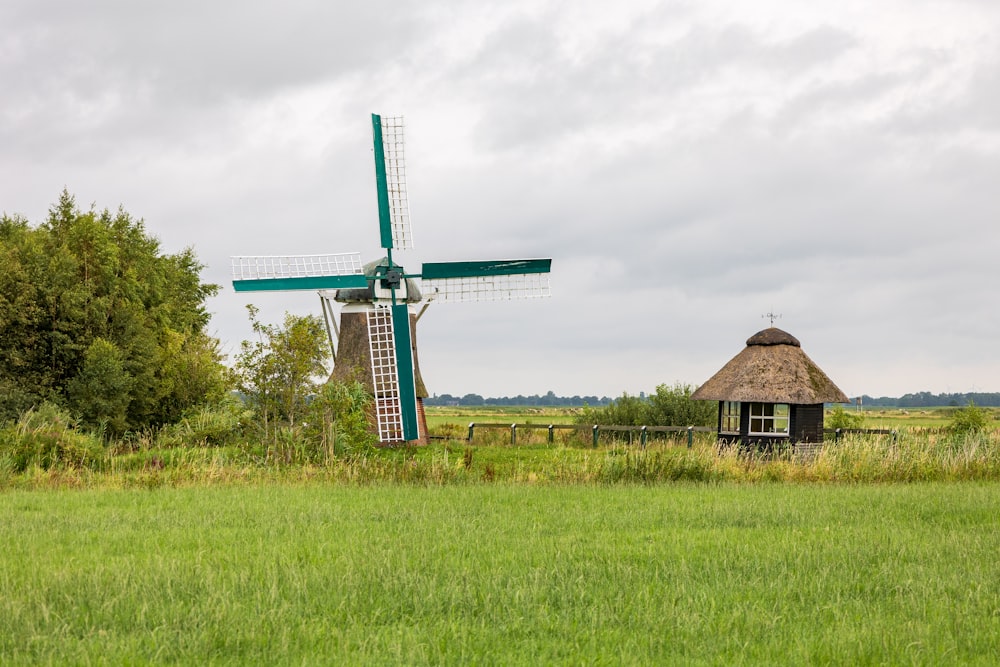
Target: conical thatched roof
771,369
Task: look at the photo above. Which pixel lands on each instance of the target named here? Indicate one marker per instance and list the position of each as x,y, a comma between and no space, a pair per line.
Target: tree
96,319
627,410
280,370
673,406
99,393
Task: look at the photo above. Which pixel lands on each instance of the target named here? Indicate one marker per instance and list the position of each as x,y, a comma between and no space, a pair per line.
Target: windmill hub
392,278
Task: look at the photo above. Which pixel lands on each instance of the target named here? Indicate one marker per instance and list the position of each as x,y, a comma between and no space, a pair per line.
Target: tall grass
47,437
219,444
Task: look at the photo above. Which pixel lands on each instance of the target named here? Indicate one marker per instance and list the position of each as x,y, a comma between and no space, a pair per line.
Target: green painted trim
352,281
404,371
381,185
503,267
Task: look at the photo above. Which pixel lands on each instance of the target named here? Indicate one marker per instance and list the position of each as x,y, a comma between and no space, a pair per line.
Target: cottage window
769,419
730,417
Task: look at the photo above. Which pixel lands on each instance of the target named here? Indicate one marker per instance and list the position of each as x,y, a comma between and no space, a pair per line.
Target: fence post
642,437
596,427
894,437
551,434
513,434
472,428
690,436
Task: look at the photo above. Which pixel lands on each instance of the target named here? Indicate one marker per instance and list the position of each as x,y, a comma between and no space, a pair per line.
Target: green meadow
877,549
314,572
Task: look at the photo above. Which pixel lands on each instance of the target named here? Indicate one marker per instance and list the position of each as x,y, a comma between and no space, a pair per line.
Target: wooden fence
595,430
642,431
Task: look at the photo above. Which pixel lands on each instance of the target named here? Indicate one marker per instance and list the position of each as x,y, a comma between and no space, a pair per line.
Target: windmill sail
295,272
404,369
392,376
390,181
497,280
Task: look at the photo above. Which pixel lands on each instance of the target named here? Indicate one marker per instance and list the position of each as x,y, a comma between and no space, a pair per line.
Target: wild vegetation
667,406
225,446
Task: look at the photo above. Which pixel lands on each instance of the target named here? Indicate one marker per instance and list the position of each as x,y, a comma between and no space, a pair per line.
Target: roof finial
771,316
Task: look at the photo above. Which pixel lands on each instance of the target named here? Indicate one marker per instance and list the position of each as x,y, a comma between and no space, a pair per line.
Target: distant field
515,574
874,417
459,415
916,417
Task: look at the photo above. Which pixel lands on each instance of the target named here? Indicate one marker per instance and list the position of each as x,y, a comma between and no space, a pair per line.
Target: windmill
380,295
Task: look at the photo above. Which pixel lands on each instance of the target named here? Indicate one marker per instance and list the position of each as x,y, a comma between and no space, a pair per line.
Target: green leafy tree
673,406
99,393
82,277
627,410
283,367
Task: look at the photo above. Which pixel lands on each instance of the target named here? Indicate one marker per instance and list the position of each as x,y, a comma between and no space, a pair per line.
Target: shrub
222,423
669,406
338,419
841,418
47,437
969,419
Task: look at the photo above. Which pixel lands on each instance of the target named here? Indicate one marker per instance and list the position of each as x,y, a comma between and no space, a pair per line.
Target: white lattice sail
394,148
385,379
487,288
296,266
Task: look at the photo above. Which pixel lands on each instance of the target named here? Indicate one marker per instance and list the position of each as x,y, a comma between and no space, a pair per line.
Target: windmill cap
773,336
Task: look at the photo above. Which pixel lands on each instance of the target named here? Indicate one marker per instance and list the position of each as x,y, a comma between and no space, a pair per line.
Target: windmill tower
376,340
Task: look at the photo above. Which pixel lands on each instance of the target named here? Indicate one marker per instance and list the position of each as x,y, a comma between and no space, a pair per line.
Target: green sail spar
508,267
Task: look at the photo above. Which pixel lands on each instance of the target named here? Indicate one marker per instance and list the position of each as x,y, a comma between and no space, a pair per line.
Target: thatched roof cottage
770,393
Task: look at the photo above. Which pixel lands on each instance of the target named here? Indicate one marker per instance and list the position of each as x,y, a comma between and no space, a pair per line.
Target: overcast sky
689,166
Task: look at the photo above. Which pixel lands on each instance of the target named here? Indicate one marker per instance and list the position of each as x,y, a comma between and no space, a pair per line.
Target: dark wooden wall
805,425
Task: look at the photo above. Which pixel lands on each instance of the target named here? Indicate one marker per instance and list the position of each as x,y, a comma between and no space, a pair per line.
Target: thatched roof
772,368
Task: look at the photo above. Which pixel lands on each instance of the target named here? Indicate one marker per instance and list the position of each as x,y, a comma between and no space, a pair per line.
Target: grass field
695,574
491,553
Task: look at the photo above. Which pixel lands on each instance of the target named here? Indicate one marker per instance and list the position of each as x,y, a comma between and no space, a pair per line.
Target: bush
338,419
222,423
669,406
841,418
47,437
967,420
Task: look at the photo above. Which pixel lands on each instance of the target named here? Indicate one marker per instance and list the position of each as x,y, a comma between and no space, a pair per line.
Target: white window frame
770,419
729,420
